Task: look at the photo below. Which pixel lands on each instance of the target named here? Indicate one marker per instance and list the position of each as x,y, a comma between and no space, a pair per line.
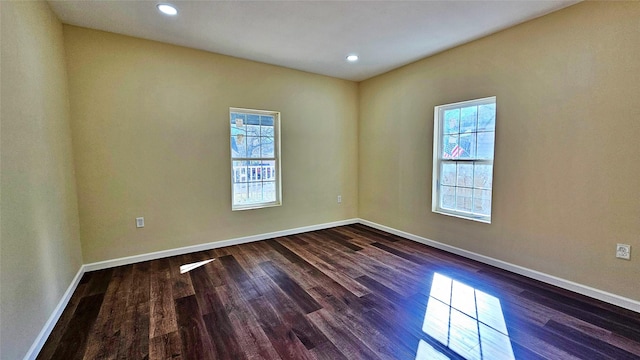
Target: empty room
320,180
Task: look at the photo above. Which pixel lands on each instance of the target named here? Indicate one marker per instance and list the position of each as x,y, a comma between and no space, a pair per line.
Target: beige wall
566,174
151,138
40,246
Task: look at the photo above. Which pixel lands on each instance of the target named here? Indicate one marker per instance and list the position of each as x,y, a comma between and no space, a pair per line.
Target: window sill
255,206
462,215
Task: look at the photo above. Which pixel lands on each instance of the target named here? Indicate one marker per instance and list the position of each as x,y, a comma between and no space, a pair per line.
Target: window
463,142
255,158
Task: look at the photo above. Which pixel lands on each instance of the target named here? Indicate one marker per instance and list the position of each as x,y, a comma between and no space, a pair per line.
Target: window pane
266,120
468,145
240,193
468,118
255,192
254,171
487,117
238,146
465,175
238,120
268,170
239,171
482,201
253,130
450,148
267,128
451,121
267,147
463,199
253,147
448,197
253,119
238,130
252,123
269,191
267,131
448,174
483,176
485,145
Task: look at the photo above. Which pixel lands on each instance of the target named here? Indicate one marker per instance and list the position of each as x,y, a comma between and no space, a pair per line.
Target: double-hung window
255,158
463,147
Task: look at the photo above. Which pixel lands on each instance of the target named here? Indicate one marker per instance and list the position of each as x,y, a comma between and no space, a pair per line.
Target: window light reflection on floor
188,267
466,320
428,352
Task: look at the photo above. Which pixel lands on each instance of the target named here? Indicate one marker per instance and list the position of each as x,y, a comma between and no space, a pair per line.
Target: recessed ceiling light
352,58
167,9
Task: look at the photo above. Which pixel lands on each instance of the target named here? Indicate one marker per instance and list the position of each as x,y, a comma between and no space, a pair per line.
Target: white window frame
276,158
438,135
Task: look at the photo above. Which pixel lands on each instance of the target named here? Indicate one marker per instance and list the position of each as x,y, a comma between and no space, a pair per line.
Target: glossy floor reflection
188,267
465,320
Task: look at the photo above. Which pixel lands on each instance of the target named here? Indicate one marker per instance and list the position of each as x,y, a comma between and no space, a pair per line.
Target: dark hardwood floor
350,292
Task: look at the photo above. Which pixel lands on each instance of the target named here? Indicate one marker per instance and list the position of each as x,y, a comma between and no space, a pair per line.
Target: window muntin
255,161
463,148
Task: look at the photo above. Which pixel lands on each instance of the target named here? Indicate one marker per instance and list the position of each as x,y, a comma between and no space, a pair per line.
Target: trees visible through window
255,163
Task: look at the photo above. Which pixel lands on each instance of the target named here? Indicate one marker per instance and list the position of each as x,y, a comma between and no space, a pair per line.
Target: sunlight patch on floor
465,320
188,267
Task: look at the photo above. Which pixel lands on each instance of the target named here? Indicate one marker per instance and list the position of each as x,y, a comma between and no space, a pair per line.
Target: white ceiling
313,36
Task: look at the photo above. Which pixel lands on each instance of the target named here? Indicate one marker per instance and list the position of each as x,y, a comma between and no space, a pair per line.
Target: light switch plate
139,222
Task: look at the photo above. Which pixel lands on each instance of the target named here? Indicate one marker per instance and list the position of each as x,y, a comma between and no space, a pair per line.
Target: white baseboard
537,275
212,245
42,337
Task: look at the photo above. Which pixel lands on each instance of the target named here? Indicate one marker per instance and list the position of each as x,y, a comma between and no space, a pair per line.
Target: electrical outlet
623,251
139,222
339,199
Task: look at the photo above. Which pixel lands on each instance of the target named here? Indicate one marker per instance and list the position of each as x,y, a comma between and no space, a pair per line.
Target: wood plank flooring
350,292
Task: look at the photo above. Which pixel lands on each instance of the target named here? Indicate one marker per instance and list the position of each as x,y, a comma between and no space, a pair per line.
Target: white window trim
437,151
277,159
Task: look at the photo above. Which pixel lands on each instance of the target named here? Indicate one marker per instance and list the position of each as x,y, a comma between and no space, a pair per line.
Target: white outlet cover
623,251
139,222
